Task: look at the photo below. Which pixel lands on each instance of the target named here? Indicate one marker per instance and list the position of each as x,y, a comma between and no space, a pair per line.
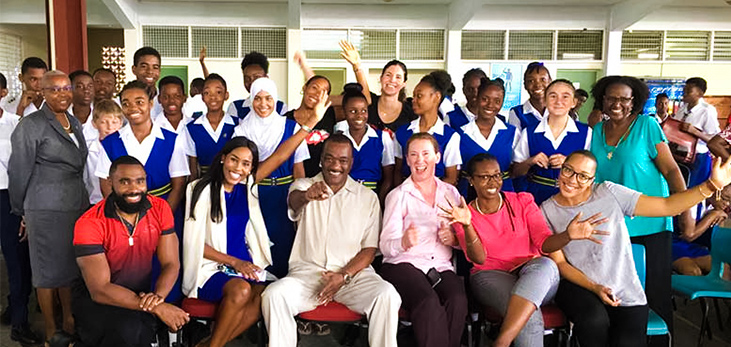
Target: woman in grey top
600,291
46,180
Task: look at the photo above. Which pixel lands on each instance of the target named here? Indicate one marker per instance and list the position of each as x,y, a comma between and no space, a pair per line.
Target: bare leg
64,296
45,300
704,263
232,312
251,313
519,311
686,266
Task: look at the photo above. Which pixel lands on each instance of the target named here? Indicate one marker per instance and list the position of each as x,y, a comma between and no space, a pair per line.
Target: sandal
321,329
304,328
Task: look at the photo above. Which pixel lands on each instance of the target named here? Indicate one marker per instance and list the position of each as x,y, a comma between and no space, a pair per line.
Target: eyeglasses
57,90
568,172
498,177
622,100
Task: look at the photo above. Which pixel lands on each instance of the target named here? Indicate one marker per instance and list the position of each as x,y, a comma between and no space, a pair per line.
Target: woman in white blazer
225,242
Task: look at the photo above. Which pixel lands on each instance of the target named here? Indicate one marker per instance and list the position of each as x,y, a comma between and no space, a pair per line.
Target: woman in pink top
417,249
506,237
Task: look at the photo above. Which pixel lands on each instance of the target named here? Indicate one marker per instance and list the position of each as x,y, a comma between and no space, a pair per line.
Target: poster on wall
673,87
512,74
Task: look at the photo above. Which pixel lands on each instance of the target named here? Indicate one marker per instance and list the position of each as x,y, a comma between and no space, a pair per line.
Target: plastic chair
711,285
656,326
205,311
554,322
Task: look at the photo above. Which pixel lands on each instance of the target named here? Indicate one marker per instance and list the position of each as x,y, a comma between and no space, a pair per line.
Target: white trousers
367,293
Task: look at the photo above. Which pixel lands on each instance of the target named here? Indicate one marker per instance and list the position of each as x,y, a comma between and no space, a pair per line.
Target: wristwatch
347,277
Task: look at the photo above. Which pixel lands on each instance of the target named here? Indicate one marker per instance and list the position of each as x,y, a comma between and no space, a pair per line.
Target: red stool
333,312
553,320
199,309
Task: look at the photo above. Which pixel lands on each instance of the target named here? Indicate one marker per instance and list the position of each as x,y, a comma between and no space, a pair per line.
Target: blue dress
237,216
207,147
542,182
367,168
273,193
458,118
501,148
526,119
404,133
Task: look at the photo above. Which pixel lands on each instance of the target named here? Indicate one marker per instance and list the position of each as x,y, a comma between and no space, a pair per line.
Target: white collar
227,119
438,127
126,132
471,128
570,126
343,126
528,108
468,113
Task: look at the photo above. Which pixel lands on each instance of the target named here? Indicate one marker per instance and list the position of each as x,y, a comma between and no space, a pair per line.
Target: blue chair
656,326
711,285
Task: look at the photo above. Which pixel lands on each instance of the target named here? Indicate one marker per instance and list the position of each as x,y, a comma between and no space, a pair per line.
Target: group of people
132,201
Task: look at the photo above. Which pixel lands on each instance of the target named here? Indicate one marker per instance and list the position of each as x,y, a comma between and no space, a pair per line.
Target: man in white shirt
31,73
337,237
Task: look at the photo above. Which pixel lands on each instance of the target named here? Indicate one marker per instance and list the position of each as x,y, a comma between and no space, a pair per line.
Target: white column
453,59
132,42
612,61
294,75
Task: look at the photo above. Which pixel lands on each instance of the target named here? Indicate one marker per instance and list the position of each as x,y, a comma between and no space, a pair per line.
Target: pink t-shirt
507,245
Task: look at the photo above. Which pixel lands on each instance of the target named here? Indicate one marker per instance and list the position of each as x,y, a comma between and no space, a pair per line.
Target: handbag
682,145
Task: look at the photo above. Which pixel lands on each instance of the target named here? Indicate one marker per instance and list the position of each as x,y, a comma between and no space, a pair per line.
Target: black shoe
25,336
5,318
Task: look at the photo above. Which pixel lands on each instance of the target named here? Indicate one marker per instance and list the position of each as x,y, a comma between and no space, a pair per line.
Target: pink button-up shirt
406,206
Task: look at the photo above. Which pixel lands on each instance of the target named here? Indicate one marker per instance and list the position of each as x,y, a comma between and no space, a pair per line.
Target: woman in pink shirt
506,237
417,249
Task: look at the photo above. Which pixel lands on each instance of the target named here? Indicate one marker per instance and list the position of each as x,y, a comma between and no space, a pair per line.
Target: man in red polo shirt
115,241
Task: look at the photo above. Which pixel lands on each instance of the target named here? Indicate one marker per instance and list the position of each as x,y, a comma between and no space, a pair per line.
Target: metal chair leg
704,322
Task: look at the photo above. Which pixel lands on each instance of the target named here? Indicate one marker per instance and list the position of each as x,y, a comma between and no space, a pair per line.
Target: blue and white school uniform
539,138
501,141
374,152
447,138
703,116
164,123
525,115
269,133
241,108
461,115
203,143
162,153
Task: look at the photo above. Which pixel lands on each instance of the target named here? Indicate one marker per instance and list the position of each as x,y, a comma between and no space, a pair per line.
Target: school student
207,134
146,68
82,107
535,80
31,73
254,66
543,147
373,158
106,119
171,98
461,115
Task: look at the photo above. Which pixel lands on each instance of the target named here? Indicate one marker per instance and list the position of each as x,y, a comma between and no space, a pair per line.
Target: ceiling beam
123,11
295,14
461,12
628,12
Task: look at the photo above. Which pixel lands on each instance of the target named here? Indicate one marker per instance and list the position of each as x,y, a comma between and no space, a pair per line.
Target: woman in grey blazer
46,176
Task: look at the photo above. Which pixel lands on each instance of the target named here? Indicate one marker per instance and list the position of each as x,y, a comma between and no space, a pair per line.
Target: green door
336,76
585,80
176,70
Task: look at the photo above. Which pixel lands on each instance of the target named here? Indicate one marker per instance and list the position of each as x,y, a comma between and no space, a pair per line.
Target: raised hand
323,103
318,191
202,55
457,214
410,238
721,173
585,229
350,54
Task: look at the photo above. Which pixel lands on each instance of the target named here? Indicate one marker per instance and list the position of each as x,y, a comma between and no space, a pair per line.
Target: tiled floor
687,318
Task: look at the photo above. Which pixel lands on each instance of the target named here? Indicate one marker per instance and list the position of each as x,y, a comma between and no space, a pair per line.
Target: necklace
499,206
610,154
134,227
67,128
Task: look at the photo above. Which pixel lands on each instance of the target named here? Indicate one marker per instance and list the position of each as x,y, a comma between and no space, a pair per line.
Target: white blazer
203,231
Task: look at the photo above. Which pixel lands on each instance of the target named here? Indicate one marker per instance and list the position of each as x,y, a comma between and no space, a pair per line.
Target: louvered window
271,42
374,44
11,51
323,43
687,45
483,44
421,44
220,42
722,46
170,41
642,45
530,45
580,45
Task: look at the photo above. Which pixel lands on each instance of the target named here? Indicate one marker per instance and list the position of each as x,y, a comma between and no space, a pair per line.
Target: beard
126,207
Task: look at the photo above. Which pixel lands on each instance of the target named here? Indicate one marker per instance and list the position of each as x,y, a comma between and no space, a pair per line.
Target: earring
221,161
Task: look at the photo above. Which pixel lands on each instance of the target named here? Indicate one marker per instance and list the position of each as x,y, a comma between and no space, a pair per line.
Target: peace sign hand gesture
585,229
457,214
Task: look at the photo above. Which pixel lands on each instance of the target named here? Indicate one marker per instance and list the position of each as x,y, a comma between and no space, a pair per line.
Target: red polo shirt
100,230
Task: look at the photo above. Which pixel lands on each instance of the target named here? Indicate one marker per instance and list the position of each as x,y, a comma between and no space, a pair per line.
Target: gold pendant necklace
610,154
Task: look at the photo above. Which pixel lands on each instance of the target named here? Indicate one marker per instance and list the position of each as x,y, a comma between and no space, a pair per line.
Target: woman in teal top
632,150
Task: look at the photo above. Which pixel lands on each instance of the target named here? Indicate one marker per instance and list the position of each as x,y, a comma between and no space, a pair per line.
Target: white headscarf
266,132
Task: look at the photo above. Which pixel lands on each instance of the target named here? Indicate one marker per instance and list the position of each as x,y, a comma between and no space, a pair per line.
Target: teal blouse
631,164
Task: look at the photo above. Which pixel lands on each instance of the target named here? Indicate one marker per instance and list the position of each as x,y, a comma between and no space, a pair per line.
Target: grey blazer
46,168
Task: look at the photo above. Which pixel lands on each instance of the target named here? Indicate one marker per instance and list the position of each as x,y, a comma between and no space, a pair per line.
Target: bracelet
715,187
700,190
306,128
473,241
